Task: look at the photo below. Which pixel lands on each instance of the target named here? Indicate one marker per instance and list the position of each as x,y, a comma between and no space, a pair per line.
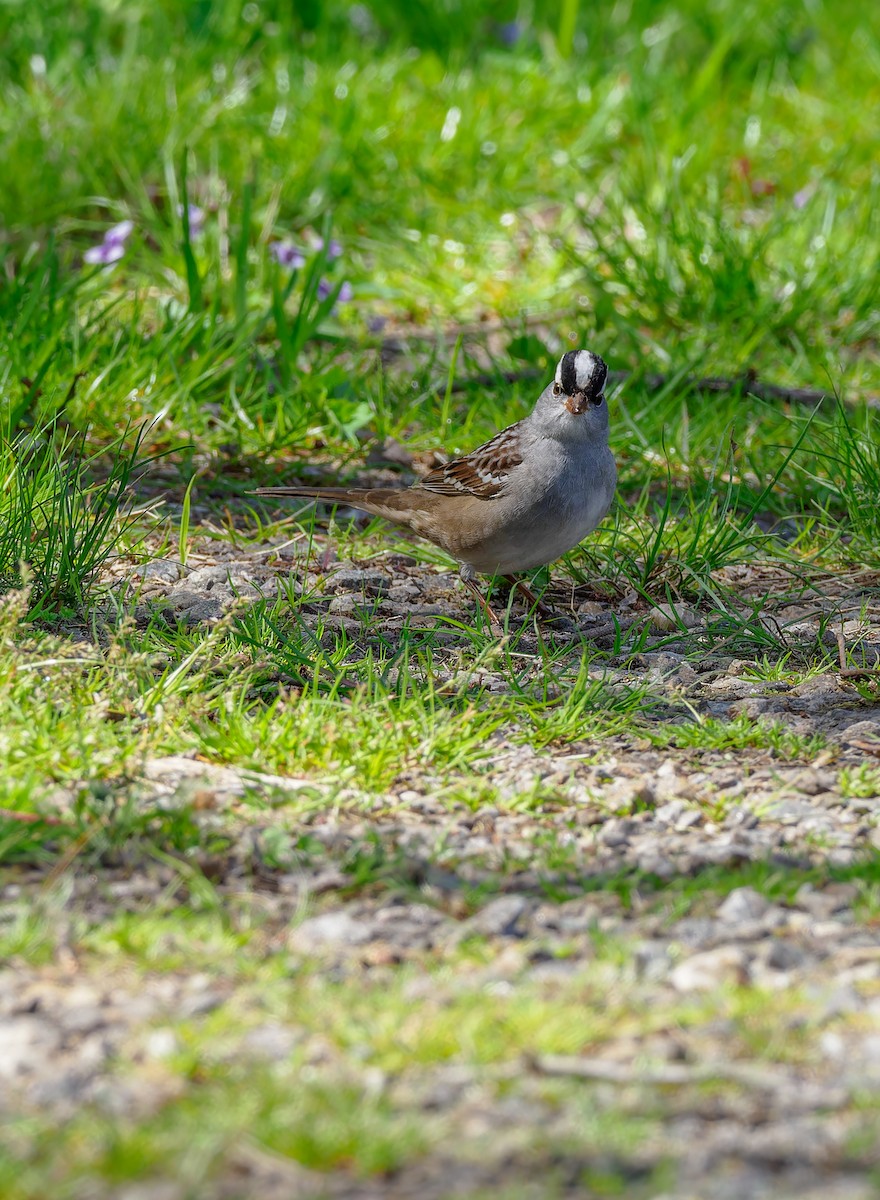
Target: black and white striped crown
581,371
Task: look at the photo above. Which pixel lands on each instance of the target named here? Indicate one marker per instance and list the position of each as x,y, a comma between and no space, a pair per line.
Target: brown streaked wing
482,473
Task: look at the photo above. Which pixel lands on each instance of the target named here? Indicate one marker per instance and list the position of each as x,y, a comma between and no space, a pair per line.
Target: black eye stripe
600,375
568,373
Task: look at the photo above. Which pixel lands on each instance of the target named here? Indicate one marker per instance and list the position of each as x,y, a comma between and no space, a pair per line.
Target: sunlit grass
691,192
708,733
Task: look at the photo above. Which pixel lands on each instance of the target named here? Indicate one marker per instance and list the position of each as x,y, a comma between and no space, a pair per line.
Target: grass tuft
58,527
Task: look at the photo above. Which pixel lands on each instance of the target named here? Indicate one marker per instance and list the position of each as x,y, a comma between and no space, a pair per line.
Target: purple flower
195,217
287,255
803,197
112,247
326,288
376,324
334,248
509,33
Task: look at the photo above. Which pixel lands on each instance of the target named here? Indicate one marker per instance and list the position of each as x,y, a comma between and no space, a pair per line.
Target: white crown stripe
586,364
585,368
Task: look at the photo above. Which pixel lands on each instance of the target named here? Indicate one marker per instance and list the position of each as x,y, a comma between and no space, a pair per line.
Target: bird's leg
535,601
467,576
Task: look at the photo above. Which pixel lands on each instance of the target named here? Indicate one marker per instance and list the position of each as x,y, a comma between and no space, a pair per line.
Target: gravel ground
732,1121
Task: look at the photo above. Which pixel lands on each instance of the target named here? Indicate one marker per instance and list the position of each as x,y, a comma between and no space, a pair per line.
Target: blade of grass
183,533
194,283
567,24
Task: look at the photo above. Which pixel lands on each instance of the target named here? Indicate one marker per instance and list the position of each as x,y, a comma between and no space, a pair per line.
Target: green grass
57,527
691,192
708,733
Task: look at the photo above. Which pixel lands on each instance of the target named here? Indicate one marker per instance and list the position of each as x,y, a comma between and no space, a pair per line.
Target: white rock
704,972
329,930
666,618
27,1043
743,904
162,1043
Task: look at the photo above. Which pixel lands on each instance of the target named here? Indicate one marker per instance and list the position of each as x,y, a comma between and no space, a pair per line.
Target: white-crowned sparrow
523,498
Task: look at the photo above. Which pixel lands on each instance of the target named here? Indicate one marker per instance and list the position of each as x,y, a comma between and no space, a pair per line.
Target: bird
519,501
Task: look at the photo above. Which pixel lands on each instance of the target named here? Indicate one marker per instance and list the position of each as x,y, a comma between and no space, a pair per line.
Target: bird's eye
557,389
598,400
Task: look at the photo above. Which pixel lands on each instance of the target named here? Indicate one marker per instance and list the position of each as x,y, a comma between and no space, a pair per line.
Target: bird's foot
491,615
545,611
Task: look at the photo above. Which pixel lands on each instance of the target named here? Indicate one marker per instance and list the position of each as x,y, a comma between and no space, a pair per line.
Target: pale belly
531,544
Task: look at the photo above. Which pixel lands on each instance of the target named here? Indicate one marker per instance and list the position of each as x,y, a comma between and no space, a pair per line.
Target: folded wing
484,473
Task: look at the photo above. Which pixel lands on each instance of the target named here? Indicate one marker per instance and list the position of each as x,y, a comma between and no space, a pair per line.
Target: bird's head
575,401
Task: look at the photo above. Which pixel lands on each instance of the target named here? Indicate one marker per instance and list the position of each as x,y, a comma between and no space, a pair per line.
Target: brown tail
391,503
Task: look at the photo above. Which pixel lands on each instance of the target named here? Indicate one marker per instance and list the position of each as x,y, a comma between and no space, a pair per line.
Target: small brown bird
519,501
